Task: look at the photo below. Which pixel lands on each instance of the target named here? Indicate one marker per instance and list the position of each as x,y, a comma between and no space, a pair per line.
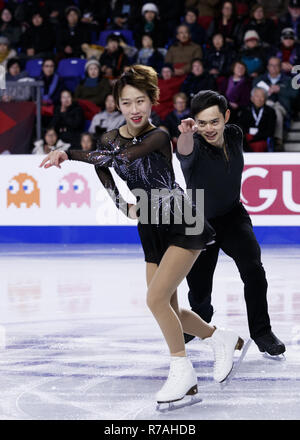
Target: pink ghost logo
73,190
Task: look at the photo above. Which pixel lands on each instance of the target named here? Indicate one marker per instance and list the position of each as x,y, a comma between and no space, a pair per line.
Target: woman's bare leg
174,266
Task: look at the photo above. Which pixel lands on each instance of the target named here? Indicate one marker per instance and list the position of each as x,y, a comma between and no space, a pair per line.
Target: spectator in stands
173,119
68,119
258,121
55,10
274,8
226,23
150,24
291,19
53,84
19,91
5,51
168,85
198,79
50,142
149,55
289,50
198,34
72,34
94,87
108,119
113,58
87,142
9,28
130,10
280,95
253,54
181,53
237,89
94,13
219,57
171,12
39,39
206,8
265,27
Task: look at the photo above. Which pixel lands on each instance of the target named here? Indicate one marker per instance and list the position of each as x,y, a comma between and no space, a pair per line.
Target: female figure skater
141,154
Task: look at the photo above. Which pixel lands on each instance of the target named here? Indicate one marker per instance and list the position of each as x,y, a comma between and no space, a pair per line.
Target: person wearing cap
253,54
292,17
5,51
265,27
94,87
281,95
289,50
72,34
150,24
39,39
181,53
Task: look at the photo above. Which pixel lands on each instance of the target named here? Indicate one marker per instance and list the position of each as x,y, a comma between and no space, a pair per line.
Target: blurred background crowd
246,50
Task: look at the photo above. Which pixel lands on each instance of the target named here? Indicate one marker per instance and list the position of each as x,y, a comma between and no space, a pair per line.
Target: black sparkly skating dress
145,164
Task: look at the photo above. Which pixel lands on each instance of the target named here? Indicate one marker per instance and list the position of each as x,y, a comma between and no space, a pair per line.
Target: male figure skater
211,157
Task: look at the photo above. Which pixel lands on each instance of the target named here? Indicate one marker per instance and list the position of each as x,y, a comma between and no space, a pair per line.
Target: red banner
16,126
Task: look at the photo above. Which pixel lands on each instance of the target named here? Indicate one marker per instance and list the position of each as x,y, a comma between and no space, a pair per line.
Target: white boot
224,342
182,381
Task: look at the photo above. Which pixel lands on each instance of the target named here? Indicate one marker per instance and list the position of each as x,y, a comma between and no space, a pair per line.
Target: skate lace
173,378
219,355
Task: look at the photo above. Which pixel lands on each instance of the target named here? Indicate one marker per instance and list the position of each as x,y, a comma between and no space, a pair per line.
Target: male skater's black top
207,168
145,163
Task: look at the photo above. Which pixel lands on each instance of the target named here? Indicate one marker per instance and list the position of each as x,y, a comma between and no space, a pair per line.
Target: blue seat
270,143
72,71
126,33
34,67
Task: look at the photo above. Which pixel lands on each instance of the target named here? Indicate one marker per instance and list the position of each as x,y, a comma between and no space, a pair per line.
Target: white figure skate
224,343
181,382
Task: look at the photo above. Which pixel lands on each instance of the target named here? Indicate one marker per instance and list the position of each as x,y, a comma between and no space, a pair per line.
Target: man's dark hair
208,98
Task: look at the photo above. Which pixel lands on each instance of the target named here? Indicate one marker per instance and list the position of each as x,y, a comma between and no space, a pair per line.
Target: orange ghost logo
23,189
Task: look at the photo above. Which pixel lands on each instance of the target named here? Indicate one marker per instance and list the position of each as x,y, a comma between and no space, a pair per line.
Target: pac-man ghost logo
23,190
73,190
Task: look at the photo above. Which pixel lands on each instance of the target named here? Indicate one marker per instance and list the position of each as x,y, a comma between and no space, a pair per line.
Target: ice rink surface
78,342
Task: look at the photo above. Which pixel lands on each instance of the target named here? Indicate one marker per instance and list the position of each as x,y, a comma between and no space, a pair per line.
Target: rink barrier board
122,234
69,205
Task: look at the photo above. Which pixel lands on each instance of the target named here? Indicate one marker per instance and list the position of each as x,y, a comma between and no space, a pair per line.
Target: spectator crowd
246,50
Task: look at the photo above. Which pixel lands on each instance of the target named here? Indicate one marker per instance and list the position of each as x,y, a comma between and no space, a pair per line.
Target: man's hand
185,143
188,126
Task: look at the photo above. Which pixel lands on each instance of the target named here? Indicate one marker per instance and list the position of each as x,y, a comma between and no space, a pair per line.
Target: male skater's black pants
235,236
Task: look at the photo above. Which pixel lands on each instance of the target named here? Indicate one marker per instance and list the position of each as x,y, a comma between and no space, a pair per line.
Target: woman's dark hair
208,98
49,59
142,78
233,15
13,61
50,128
235,63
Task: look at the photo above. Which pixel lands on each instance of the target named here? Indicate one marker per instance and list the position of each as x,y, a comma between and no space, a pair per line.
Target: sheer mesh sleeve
115,150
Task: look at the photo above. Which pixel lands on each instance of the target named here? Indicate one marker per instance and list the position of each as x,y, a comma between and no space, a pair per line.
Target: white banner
73,195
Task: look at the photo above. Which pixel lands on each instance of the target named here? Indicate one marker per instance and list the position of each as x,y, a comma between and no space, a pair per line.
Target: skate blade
236,365
276,357
171,406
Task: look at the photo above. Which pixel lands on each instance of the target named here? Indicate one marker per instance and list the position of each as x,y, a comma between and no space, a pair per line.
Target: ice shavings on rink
77,341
